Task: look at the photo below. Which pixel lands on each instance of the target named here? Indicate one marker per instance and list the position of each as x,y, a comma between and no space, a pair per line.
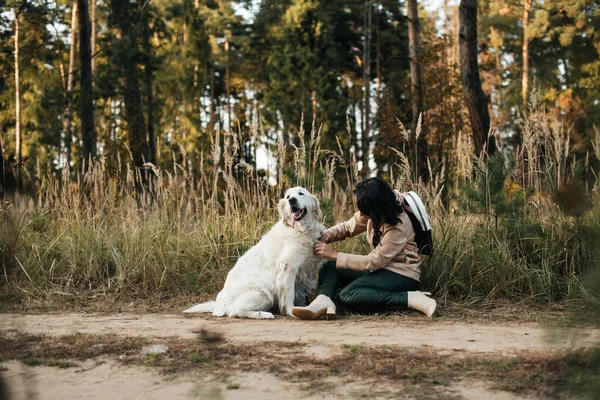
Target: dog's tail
207,307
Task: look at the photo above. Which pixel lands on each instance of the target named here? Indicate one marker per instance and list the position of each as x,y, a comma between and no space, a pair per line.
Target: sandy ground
97,380
105,378
410,333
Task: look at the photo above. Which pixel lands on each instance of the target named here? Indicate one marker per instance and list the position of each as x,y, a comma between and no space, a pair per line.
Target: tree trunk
2,171
525,80
477,102
313,99
94,36
17,105
212,100
149,93
131,94
196,105
366,83
352,146
63,77
378,58
69,117
416,85
93,51
415,61
227,87
88,130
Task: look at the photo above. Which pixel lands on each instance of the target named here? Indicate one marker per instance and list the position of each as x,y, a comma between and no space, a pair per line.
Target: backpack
415,209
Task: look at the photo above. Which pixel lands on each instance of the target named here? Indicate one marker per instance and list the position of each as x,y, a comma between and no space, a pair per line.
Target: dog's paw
266,315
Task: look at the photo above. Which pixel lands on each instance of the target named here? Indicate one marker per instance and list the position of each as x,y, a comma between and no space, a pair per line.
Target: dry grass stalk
281,160
403,130
464,156
404,179
419,126
300,154
596,142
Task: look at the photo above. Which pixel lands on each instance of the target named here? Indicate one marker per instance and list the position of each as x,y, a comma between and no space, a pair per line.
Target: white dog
279,271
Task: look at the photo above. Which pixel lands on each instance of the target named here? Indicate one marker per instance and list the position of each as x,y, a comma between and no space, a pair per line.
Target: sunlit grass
512,234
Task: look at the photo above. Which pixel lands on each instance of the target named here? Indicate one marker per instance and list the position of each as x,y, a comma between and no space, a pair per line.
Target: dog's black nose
292,200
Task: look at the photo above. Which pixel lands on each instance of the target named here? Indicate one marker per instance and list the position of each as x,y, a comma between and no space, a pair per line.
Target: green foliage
60,364
196,358
517,259
180,235
582,372
564,59
33,362
352,348
492,190
573,197
530,223
517,242
209,65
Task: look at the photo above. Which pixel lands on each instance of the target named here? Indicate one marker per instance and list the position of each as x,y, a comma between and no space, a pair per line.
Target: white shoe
419,301
322,305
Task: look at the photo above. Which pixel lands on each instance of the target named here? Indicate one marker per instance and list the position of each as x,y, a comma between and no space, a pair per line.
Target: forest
152,80
143,140
145,144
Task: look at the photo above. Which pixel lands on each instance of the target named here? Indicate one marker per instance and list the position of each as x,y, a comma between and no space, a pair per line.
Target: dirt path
100,378
413,332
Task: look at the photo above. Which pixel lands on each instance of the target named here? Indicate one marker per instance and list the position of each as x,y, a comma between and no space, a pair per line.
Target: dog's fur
280,270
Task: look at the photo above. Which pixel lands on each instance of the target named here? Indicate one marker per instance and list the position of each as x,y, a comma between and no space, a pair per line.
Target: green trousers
366,292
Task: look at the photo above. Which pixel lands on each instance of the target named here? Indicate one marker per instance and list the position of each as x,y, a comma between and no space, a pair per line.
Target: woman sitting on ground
386,279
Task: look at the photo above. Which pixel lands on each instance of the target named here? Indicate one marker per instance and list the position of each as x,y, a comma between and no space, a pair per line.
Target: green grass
196,358
151,358
351,348
505,233
32,361
147,257
60,364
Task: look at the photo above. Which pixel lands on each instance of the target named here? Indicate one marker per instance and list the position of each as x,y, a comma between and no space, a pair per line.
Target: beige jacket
397,250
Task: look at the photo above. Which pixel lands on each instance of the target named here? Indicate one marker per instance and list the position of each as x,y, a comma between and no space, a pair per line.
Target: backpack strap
416,206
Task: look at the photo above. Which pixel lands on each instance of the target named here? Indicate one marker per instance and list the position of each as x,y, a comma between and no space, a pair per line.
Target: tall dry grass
526,226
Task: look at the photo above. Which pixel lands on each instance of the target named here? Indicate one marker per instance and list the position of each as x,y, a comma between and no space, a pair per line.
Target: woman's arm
392,243
355,225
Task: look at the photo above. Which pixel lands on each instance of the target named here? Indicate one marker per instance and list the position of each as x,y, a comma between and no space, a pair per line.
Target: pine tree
417,84
126,57
88,130
526,39
476,100
17,101
149,70
70,78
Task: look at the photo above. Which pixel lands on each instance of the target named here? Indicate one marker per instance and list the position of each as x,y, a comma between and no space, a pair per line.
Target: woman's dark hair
376,199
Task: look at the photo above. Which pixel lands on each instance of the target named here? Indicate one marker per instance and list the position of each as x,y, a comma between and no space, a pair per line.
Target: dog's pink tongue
295,216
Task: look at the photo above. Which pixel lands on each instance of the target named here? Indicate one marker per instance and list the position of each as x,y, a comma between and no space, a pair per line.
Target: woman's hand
323,250
325,237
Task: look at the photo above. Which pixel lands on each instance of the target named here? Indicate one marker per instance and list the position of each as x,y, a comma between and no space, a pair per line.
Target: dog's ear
317,207
281,208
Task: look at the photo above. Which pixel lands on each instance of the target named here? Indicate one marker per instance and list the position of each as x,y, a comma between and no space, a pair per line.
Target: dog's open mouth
298,213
